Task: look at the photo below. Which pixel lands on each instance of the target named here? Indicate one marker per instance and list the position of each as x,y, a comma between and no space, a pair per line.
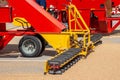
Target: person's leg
43,3
39,2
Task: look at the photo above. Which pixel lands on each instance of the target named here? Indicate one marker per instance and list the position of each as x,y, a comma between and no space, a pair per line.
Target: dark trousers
42,3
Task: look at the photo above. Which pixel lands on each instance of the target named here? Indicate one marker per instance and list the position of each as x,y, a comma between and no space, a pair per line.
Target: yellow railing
75,16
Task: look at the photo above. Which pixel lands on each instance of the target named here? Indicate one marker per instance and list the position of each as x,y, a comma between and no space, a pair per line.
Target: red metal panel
81,4
41,20
110,25
5,14
86,15
116,2
6,39
2,27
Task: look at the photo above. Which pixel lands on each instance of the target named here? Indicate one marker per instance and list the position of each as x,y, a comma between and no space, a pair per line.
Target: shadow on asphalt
10,48
9,56
50,53
11,51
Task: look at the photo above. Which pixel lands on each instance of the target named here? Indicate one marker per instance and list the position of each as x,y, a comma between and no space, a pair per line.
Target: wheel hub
29,46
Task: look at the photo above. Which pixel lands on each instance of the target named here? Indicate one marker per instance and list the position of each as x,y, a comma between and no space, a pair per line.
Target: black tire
43,44
30,46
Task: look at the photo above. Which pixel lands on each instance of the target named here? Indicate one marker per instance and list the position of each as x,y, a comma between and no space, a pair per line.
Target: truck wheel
30,46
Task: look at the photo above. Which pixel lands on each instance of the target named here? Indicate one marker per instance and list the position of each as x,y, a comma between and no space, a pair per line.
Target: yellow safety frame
73,16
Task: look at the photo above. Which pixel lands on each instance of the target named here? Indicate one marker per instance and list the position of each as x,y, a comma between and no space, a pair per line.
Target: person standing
42,3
